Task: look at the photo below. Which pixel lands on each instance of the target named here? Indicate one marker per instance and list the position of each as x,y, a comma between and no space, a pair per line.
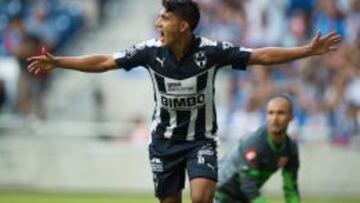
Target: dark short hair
187,10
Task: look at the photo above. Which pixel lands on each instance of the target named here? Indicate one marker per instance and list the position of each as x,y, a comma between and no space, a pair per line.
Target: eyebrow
163,15
277,111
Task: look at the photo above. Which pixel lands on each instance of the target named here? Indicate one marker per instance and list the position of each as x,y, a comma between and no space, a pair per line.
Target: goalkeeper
245,168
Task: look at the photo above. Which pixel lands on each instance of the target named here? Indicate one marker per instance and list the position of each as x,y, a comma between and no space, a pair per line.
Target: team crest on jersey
200,59
250,155
226,45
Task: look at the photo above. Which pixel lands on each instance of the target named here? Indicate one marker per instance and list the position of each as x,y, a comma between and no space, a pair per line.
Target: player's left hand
321,45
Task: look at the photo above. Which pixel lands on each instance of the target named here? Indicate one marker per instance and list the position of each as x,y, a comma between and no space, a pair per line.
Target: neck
277,137
182,46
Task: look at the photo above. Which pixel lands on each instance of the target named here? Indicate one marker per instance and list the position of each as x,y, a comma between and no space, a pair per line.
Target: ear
184,26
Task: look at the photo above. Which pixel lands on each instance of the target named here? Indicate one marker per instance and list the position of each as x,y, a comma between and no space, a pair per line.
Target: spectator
39,24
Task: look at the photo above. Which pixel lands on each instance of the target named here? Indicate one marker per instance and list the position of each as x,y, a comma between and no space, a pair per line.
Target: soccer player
182,67
245,168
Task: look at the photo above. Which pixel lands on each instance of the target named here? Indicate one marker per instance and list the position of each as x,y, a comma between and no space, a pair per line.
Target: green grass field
11,197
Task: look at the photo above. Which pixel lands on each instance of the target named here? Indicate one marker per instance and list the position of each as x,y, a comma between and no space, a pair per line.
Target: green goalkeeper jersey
245,168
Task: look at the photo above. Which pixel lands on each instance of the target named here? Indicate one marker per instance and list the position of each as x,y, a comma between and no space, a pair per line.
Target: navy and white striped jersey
183,90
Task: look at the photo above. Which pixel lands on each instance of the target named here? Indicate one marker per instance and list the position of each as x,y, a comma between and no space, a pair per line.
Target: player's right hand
42,63
324,44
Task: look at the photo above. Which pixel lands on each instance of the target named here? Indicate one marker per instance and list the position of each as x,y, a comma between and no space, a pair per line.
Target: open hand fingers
335,39
332,38
34,58
330,35
36,67
318,36
33,66
37,71
39,63
46,56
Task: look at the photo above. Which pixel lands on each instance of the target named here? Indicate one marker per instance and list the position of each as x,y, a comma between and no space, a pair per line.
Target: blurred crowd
26,26
325,90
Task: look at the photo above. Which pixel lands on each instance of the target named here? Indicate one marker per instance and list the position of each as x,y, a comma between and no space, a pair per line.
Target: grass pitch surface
12,197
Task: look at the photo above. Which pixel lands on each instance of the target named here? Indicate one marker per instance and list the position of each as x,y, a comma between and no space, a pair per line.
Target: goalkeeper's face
170,27
278,115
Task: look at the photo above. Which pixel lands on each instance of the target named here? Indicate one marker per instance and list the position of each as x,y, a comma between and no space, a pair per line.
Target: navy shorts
170,160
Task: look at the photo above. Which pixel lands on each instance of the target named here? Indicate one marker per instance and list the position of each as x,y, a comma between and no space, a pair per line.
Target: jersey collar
195,42
272,144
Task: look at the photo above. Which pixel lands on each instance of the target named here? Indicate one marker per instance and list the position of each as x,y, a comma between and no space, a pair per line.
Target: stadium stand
81,113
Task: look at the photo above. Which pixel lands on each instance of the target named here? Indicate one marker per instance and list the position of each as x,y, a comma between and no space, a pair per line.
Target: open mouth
161,36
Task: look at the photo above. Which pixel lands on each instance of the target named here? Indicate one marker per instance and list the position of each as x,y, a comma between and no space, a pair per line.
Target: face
170,27
278,115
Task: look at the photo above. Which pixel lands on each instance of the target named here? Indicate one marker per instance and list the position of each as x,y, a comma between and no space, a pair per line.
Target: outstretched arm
275,55
88,63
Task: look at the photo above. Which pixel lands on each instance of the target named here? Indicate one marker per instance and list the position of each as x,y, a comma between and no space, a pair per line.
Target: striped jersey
183,90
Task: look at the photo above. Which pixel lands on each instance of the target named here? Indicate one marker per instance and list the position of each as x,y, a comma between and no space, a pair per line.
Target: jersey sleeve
134,56
235,56
249,171
289,173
